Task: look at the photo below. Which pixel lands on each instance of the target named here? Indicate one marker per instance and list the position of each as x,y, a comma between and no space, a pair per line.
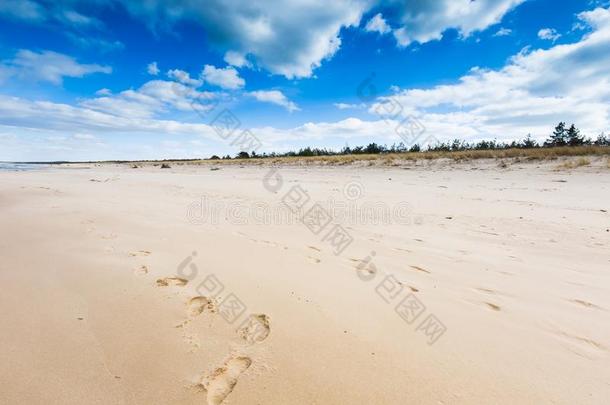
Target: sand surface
482,286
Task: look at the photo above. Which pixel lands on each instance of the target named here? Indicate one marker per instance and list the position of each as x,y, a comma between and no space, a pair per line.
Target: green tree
559,136
529,142
602,140
573,137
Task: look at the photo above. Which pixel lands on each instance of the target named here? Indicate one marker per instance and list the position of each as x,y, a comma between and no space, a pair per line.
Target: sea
20,167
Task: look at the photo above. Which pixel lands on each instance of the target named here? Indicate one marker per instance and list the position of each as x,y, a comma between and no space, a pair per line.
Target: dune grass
573,164
396,159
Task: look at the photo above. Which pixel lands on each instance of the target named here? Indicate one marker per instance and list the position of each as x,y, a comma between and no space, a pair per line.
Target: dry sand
104,302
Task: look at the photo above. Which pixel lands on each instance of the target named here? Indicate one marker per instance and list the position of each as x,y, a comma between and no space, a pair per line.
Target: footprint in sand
196,306
584,303
140,271
172,281
420,269
219,384
581,345
255,329
139,253
493,306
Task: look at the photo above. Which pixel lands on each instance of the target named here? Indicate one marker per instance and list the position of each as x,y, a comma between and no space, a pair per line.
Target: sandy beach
427,284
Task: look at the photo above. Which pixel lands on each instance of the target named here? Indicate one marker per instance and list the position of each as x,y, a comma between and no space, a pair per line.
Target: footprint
493,306
420,269
196,306
314,248
256,329
142,270
221,382
173,281
585,303
581,345
139,253
314,260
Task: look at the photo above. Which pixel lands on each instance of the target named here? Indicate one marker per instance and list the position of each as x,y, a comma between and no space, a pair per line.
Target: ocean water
19,167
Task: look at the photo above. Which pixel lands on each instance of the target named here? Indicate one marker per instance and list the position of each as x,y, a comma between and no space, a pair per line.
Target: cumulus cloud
549,33
377,24
237,59
424,21
48,116
48,66
153,69
226,78
151,99
531,93
274,97
183,77
290,38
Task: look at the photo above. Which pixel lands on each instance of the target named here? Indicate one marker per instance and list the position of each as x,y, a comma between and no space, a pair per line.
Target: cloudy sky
118,79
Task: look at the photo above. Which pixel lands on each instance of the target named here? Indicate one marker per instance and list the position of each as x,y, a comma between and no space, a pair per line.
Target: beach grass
396,159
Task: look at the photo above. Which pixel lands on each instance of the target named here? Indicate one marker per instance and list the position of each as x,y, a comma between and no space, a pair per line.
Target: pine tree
573,137
529,142
559,136
602,140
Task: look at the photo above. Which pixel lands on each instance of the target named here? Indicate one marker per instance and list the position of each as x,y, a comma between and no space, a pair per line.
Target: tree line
562,136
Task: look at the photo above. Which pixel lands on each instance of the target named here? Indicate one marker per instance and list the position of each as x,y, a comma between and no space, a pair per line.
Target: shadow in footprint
255,329
196,306
220,383
172,281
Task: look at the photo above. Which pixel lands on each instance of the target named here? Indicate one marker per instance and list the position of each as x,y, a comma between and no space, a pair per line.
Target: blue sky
113,79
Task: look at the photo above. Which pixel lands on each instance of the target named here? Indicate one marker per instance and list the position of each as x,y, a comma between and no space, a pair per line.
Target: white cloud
183,77
503,32
237,59
103,92
75,18
48,66
289,38
22,9
530,94
153,69
49,117
377,24
346,106
274,97
424,21
293,37
549,34
153,98
99,44
227,78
